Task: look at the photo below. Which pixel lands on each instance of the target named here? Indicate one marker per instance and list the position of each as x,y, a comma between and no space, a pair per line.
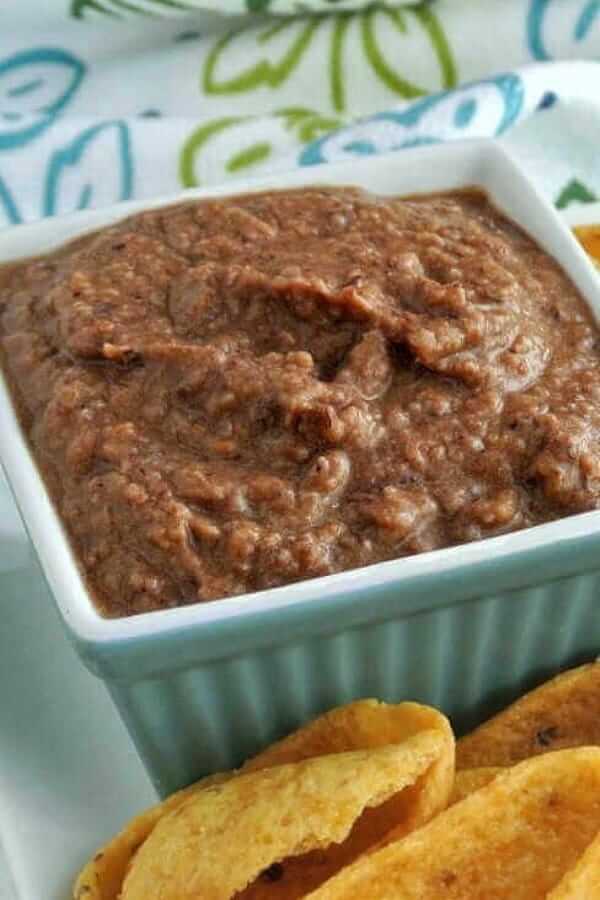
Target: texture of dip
233,394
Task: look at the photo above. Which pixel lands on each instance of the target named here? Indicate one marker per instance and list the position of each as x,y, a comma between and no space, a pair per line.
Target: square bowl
202,687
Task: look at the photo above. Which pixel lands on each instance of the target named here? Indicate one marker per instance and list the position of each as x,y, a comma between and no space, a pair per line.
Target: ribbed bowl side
468,659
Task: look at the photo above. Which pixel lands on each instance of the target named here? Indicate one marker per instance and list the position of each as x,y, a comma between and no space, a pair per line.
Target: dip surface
233,394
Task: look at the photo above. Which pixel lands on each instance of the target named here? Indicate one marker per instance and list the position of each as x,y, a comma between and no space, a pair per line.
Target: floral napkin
100,109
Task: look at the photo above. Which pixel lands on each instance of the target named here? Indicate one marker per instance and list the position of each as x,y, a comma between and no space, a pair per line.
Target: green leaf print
575,192
301,31
80,8
263,72
307,125
397,19
264,5
336,77
249,157
196,142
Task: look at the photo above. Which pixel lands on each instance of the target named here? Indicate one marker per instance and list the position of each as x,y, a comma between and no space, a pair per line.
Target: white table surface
69,775
7,888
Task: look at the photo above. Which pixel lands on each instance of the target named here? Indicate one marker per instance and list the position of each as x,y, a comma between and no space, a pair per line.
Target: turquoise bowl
466,628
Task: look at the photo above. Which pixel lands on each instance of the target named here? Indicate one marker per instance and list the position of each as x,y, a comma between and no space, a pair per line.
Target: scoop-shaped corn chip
224,838
467,781
356,726
102,877
365,724
563,712
582,882
589,238
515,838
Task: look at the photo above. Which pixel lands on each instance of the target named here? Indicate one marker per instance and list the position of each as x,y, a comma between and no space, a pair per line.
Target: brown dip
229,395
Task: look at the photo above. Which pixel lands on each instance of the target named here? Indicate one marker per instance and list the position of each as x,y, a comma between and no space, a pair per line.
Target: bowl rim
93,634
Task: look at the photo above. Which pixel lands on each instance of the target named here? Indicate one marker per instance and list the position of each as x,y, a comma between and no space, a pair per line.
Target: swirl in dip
233,394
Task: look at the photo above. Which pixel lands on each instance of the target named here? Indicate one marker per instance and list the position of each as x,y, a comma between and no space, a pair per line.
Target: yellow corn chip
365,724
356,726
582,882
102,877
589,238
224,838
563,712
467,781
515,838
360,725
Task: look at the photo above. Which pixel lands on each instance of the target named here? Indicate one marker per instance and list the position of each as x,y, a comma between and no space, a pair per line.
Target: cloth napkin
118,9
94,111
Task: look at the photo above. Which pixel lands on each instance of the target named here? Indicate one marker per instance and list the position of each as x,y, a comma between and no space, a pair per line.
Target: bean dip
228,395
